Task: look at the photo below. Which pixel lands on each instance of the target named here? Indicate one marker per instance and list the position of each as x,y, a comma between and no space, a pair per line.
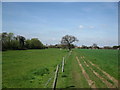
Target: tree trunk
69,47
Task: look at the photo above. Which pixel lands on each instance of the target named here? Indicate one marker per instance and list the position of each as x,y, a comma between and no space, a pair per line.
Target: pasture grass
30,68
34,68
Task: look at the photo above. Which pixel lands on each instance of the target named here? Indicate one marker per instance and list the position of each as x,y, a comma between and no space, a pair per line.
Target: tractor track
109,85
105,73
109,76
90,82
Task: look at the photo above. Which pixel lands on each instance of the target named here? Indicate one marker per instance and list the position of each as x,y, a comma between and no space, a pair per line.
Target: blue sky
90,22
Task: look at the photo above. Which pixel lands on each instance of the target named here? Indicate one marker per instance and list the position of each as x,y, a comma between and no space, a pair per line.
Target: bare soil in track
90,82
109,85
105,73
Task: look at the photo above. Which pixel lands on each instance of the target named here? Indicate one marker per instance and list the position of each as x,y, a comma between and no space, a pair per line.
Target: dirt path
90,82
109,85
109,76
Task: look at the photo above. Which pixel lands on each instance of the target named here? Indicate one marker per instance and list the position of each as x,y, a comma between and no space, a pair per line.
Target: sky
90,22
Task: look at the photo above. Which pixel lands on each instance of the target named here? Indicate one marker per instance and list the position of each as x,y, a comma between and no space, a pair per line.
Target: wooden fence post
55,78
63,64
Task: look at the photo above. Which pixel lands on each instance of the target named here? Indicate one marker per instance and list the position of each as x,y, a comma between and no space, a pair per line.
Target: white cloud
91,27
81,26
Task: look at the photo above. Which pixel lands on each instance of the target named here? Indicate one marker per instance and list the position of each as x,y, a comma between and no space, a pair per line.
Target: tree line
82,47
11,42
95,46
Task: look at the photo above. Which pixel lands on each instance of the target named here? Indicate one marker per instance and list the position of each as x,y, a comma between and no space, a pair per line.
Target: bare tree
67,40
95,46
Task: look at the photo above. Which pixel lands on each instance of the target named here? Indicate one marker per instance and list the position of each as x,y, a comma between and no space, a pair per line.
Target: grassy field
35,68
24,68
106,60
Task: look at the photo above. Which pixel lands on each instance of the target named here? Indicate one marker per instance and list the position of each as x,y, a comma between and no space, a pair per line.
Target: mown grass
30,68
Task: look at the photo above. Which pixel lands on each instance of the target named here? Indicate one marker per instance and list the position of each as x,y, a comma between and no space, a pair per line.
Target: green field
35,68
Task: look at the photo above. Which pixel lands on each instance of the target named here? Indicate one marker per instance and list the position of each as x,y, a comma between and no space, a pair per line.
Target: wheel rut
109,85
90,82
105,73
